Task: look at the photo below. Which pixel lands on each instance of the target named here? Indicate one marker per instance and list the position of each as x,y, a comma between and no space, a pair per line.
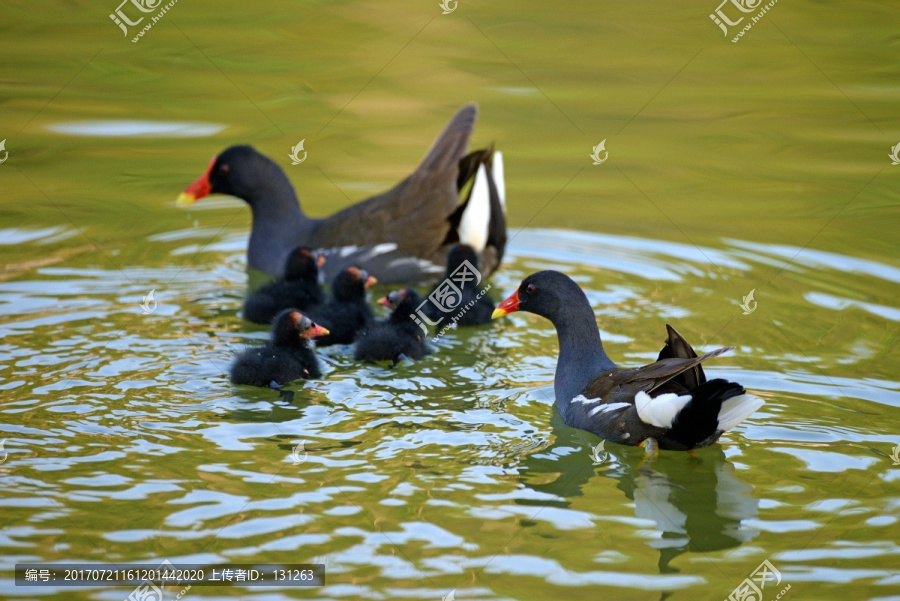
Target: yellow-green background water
759,165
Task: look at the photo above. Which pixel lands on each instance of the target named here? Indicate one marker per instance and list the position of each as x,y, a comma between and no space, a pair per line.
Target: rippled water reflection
125,440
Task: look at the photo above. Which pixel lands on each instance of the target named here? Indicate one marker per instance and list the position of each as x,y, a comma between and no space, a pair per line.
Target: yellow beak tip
185,200
325,331
498,312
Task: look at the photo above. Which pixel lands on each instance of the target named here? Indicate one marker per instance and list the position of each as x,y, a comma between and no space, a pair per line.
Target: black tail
699,420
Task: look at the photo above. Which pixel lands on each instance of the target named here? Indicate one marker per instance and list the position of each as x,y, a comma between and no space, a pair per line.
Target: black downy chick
398,337
299,289
288,356
472,309
347,313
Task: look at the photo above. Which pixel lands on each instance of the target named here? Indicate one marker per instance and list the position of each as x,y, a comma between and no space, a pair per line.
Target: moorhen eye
305,324
530,289
224,169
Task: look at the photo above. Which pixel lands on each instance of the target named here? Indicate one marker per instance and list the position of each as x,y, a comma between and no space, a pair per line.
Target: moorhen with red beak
299,289
396,338
668,402
401,235
287,357
347,313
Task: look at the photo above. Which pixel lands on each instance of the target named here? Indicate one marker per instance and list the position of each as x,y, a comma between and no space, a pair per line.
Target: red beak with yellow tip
508,306
371,281
198,189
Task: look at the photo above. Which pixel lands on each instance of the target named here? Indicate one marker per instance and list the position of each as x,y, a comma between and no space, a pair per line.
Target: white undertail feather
475,220
660,411
499,180
737,409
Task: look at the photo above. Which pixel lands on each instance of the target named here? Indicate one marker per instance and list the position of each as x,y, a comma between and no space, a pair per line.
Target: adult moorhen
347,313
287,357
668,402
470,306
397,337
401,235
299,289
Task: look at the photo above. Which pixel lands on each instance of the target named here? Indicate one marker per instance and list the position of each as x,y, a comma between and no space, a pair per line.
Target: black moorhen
397,337
299,289
401,235
668,402
287,357
347,313
474,306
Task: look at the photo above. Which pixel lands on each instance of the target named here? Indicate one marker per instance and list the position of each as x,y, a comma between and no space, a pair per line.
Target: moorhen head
351,284
303,265
292,328
238,171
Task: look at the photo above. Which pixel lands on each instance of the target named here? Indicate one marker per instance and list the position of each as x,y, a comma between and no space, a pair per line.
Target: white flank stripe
473,225
608,407
660,411
499,181
584,400
737,409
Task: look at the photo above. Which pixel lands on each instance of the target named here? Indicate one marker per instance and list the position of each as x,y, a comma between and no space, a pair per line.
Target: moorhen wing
299,288
288,356
347,313
668,402
397,337
401,235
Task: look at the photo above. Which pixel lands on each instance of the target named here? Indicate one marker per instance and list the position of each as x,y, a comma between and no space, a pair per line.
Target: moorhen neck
669,401
401,235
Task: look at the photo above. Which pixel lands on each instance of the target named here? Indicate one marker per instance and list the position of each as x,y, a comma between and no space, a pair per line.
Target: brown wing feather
621,385
419,205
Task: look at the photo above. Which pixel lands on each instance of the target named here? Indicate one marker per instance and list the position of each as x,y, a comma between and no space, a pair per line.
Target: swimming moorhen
347,313
287,357
397,337
471,306
668,402
299,289
401,235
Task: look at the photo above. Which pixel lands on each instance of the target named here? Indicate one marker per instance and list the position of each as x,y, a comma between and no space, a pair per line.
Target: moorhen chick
287,357
401,235
396,338
347,313
668,402
299,289
475,306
